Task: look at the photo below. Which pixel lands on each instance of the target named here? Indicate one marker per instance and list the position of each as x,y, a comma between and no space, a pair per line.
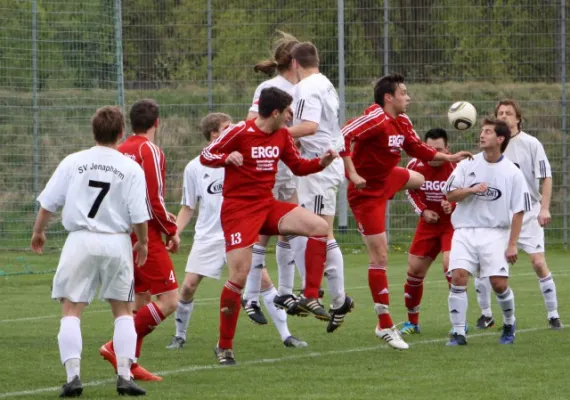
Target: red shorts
431,239
243,220
370,209
157,275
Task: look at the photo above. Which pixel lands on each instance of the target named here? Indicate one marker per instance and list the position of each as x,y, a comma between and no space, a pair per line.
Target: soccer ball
462,115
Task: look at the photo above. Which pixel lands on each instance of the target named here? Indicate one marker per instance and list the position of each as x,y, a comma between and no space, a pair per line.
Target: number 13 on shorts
235,238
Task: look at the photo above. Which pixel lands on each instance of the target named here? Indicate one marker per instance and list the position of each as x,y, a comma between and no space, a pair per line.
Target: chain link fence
60,60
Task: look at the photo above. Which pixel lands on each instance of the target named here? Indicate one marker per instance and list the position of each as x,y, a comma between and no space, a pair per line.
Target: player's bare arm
327,158
305,128
356,179
463,193
454,158
183,218
516,226
39,236
141,246
544,217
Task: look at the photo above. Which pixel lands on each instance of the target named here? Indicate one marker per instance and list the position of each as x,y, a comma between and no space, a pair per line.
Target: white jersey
204,185
507,193
100,190
528,154
279,82
316,100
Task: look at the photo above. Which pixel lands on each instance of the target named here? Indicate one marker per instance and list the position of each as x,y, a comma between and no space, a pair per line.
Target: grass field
348,364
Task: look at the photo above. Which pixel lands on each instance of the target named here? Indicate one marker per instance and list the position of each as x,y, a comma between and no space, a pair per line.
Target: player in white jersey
316,125
285,190
102,193
492,197
528,154
204,185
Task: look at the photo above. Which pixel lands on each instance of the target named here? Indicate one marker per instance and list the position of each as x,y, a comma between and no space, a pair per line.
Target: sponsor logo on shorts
216,187
491,194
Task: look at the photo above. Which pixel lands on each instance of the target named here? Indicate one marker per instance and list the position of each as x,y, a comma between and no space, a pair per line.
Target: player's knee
418,266
319,227
188,291
499,283
459,277
539,266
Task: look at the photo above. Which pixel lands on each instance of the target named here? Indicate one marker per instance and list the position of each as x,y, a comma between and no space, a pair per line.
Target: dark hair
212,122
436,133
386,85
143,115
306,54
108,123
281,58
515,106
501,129
272,99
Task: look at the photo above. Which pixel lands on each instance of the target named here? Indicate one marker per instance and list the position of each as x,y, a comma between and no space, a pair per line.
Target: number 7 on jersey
104,186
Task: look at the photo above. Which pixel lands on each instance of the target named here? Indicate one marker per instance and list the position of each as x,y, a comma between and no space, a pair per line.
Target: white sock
182,317
125,343
483,289
285,267
70,345
507,302
253,283
278,316
457,302
548,289
334,272
298,246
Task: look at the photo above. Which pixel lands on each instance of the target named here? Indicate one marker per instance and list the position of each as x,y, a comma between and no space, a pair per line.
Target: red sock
315,258
378,282
229,313
413,292
146,319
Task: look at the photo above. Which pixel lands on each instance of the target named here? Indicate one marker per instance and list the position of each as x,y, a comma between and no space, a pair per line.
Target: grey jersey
528,154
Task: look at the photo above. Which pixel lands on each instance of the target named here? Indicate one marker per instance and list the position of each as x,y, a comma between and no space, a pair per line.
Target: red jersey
261,151
151,159
377,141
430,195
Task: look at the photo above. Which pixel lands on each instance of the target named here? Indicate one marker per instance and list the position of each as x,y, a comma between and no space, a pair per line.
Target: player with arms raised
249,152
528,154
156,277
377,139
492,197
434,230
102,193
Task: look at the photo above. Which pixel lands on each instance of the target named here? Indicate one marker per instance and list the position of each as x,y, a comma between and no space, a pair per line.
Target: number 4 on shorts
172,278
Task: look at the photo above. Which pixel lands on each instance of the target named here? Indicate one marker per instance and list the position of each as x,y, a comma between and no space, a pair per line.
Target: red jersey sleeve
299,166
413,146
215,154
361,128
415,197
154,166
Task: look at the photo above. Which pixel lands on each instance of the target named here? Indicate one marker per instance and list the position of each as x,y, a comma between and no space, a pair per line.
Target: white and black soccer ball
462,115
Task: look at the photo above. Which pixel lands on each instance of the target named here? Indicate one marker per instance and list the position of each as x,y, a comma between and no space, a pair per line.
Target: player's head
108,125
281,59
494,133
391,92
437,139
144,115
213,124
275,105
305,55
509,111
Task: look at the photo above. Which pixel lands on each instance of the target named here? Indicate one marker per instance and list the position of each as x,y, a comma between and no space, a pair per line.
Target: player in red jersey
373,145
249,152
434,231
156,277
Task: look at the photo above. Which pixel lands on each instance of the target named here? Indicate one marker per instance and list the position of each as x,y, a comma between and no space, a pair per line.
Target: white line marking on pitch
193,368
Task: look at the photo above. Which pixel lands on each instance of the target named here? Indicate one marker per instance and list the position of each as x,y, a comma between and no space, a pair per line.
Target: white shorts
480,251
207,258
531,239
90,259
285,183
318,192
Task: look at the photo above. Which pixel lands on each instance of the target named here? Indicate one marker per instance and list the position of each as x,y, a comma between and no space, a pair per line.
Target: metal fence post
343,203
564,125
35,108
386,72
119,54
210,56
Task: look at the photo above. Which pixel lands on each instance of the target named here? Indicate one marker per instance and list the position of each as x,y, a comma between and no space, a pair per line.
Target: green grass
348,364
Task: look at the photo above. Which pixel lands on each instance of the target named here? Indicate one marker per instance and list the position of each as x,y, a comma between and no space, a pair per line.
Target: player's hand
461,155
431,217
446,206
171,216
38,241
479,188
544,217
328,158
511,254
235,158
357,180
141,253
173,243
